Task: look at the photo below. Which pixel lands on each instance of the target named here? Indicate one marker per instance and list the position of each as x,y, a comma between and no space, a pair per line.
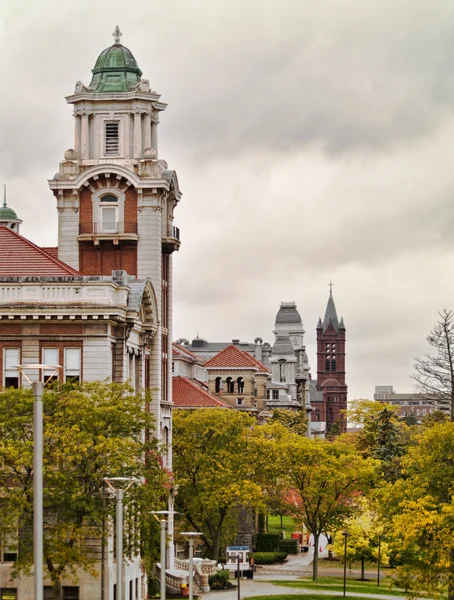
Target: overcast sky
312,140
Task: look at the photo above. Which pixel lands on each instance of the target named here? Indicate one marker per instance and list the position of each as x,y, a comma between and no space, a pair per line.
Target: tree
364,530
213,470
295,421
420,509
325,477
90,431
435,372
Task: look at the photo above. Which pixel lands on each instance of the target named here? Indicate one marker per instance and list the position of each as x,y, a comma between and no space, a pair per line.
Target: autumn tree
421,512
364,529
434,373
326,477
89,432
213,469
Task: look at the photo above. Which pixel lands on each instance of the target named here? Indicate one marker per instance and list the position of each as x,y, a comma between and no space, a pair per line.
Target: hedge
267,542
220,581
267,558
289,546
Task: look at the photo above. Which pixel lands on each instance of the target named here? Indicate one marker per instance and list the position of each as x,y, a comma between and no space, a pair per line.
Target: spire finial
330,287
117,34
4,194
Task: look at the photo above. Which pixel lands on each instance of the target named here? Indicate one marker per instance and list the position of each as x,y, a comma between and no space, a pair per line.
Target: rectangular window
109,219
72,364
11,361
268,394
50,357
112,146
70,592
239,401
48,592
327,365
333,365
8,594
8,546
275,394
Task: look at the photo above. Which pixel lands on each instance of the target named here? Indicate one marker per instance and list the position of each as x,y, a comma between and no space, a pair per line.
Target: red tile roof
262,368
182,350
232,357
21,258
186,393
52,250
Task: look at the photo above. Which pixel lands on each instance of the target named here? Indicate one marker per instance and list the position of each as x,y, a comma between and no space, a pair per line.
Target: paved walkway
293,568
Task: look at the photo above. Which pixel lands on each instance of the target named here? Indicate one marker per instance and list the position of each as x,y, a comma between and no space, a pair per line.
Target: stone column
147,136
154,135
137,133
85,136
77,144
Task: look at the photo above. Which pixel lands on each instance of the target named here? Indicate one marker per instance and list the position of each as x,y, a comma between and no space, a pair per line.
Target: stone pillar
147,132
154,135
137,133
77,145
85,136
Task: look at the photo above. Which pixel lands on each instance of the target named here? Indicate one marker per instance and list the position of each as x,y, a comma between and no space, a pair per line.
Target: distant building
289,384
417,405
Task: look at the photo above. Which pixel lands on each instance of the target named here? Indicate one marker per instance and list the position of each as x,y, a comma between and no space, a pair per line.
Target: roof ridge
257,362
213,361
56,261
180,347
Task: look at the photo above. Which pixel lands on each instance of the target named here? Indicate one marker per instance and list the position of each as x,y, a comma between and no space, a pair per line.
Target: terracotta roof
262,368
21,258
52,250
232,357
181,349
186,393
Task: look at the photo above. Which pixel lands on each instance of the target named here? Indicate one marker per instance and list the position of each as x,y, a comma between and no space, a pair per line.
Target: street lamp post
379,560
38,520
191,536
119,494
345,534
163,522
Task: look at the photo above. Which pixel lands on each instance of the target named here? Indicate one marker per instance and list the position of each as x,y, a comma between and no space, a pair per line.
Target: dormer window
112,138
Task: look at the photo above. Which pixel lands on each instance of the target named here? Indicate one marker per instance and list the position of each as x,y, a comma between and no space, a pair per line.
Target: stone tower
116,199
331,367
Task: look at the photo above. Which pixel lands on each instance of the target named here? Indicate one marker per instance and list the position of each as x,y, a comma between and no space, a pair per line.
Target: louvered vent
112,145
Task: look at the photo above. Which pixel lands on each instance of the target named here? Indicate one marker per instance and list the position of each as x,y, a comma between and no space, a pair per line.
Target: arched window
330,413
240,385
230,385
282,371
218,385
108,213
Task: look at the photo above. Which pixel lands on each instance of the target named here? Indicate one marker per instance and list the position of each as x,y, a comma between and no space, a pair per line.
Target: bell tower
115,196
331,367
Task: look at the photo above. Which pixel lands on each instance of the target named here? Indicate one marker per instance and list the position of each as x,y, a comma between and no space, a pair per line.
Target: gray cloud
311,140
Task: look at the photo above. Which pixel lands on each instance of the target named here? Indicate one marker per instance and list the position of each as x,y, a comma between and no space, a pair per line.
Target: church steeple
330,313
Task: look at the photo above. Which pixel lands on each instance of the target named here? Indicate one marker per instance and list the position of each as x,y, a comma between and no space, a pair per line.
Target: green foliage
268,558
324,476
289,546
421,512
89,432
294,421
213,471
267,542
220,580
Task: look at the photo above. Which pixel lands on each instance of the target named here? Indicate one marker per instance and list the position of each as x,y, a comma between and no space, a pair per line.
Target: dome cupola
116,69
8,217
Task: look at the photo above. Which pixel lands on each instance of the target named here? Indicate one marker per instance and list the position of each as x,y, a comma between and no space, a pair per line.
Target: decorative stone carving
81,88
71,154
149,153
143,86
157,208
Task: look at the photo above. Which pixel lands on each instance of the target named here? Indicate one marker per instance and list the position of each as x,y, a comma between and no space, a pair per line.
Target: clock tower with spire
331,369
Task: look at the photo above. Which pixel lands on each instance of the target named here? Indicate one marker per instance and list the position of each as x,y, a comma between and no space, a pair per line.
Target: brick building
99,304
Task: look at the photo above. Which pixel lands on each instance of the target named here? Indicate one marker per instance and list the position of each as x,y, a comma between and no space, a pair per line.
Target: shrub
289,546
267,542
267,558
220,581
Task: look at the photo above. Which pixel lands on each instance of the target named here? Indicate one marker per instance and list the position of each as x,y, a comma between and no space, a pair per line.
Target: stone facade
108,317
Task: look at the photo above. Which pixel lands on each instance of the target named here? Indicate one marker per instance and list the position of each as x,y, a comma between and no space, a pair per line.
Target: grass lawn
336,584
303,597
324,563
274,525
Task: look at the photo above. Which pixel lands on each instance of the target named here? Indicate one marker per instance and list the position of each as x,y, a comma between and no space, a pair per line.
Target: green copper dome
116,69
7,214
